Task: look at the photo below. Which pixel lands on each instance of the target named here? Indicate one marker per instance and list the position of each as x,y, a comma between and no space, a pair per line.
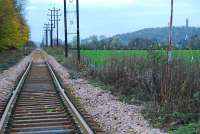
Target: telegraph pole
170,33
46,29
43,41
52,14
166,83
57,24
78,31
65,24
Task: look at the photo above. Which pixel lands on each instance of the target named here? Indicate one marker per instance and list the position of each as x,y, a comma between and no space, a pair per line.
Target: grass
180,121
58,53
9,58
100,56
192,128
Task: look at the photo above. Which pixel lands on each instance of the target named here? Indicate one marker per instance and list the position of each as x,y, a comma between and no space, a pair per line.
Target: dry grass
174,90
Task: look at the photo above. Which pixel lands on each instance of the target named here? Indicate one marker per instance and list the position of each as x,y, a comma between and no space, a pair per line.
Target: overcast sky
110,17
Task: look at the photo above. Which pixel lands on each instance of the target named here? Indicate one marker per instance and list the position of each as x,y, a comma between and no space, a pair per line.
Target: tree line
14,31
115,43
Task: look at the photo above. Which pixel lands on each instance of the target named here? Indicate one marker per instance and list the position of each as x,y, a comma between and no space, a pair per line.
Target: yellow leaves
14,32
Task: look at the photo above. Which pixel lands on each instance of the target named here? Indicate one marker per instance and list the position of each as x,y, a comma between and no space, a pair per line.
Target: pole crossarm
47,29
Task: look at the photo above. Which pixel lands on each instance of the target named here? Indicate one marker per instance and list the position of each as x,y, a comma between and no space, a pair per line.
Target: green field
100,56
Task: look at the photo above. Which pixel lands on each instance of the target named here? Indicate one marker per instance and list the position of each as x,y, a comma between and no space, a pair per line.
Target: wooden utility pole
167,78
170,47
57,25
78,31
51,26
54,17
46,29
65,24
56,20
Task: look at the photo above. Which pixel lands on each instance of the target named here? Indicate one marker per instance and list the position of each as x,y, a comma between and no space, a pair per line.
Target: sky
111,17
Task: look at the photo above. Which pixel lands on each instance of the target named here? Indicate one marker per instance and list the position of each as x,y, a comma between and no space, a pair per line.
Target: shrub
174,88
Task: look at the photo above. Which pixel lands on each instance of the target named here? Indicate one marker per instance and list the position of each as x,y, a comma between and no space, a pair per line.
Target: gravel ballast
8,79
114,116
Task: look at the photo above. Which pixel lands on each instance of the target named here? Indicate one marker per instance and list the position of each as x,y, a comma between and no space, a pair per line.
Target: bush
173,88
193,128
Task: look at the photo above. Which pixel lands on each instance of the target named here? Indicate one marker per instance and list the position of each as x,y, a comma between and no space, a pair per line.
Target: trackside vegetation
14,31
169,93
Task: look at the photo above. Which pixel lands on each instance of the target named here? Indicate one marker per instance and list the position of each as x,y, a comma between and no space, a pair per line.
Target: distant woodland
156,38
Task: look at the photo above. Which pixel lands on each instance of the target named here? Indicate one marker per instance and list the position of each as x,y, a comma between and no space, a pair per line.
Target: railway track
39,105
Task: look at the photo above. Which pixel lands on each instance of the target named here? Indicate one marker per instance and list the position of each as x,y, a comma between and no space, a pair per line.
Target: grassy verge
171,97
9,58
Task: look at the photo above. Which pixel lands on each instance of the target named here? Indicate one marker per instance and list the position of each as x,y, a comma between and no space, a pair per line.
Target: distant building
186,30
187,23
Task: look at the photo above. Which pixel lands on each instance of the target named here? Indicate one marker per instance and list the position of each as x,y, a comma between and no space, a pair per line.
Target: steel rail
12,101
84,126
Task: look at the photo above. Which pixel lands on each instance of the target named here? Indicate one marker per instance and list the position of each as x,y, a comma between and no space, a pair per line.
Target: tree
194,42
94,43
91,42
116,43
14,32
140,43
102,42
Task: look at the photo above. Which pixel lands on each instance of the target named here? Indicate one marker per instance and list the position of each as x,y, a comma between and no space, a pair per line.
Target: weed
171,91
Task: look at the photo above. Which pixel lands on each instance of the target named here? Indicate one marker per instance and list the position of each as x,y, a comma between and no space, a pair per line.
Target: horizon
181,26
129,15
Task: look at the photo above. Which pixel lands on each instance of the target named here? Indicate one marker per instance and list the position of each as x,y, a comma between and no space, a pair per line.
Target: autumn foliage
14,32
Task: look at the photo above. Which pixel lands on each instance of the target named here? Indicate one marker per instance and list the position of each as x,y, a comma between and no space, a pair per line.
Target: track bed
39,109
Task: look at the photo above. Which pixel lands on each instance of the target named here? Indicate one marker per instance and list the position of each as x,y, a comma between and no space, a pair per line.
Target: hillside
160,34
